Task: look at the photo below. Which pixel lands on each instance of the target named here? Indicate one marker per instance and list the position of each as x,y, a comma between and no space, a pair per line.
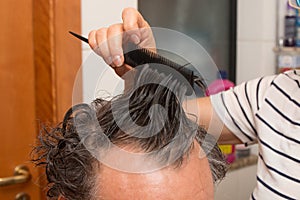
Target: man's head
176,159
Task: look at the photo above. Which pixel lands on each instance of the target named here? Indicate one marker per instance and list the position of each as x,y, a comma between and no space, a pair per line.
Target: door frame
57,60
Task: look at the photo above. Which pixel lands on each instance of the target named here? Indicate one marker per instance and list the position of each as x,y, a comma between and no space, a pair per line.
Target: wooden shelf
286,49
243,162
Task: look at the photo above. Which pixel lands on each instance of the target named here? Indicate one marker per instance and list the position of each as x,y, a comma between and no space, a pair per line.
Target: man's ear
61,198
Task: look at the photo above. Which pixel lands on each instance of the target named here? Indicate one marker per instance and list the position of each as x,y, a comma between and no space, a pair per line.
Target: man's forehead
192,179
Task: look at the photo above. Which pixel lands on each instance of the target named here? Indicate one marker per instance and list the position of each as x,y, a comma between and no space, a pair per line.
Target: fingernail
117,61
135,39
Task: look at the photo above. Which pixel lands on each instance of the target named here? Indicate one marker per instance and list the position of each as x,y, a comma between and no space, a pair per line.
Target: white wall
97,14
256,38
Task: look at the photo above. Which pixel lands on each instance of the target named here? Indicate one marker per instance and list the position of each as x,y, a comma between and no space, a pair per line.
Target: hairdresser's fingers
115,40
98,42
148,40
137,28
92,39
132,20
102,48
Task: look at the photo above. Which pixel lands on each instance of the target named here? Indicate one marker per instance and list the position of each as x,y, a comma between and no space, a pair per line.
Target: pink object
230,158
219,85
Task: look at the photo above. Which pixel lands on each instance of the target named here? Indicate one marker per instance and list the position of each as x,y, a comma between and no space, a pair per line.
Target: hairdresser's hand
107,42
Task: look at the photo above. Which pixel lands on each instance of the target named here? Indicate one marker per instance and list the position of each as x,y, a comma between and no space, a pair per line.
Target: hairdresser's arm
210,120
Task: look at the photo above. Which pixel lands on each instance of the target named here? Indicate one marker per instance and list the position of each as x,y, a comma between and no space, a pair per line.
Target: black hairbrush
136,56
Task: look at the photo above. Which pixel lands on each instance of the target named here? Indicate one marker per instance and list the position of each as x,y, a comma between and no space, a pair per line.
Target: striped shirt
267,111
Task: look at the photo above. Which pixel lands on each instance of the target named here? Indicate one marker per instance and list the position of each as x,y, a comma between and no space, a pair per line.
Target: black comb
136,56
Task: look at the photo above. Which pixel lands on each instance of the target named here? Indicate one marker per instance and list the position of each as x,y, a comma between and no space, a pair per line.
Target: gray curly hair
71,168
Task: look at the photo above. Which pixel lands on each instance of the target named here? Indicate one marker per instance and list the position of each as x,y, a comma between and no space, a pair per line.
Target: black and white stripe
268,110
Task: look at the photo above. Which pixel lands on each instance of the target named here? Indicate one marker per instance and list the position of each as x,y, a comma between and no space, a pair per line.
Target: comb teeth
139,56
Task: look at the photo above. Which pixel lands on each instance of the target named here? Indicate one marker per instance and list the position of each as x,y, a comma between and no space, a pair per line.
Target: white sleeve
237,107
